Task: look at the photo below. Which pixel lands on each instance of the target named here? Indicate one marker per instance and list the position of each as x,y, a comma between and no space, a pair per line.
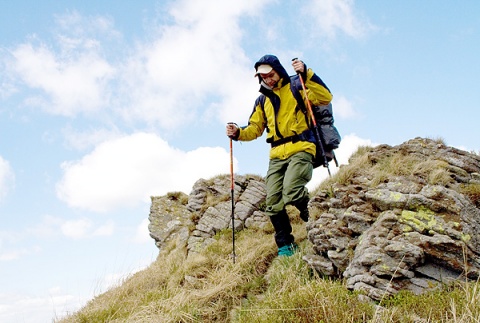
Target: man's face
271,78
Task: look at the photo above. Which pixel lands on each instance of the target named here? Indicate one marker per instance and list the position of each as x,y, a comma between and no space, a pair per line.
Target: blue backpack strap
261,101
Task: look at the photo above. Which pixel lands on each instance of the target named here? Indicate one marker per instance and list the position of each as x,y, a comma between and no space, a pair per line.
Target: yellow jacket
281,115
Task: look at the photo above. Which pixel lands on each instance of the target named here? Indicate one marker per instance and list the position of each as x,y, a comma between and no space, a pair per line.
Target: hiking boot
283,229
287,250
302,206
304,215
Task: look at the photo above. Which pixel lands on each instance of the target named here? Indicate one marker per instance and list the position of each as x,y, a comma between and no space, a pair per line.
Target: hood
273,61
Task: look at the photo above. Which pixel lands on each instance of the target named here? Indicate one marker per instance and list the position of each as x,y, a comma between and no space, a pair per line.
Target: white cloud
142,234
343,107
71,74
126,171
17,253
7,178
105,230
82,140
72,83
10,254
350,144
30,308
194,67
76,229
77,29
50,227
13,254
195,60
332,16
81,228
7,86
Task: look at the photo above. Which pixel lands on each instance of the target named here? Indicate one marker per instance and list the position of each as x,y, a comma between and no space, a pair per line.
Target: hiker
292,142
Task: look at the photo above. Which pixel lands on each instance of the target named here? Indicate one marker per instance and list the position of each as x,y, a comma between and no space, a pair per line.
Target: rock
208,210
320,264
174,222
412,228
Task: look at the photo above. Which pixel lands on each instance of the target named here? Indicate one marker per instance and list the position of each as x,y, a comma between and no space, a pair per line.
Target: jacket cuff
236,135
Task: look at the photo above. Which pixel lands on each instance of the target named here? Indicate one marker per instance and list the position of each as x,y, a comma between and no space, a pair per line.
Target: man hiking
292,142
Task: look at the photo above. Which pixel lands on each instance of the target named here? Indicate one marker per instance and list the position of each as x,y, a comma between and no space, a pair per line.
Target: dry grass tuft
472,191
365,164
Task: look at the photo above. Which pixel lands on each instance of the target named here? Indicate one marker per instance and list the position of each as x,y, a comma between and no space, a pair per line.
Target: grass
365,164
261,287
472,191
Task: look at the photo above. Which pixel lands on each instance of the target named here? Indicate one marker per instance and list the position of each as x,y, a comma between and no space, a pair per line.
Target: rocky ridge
394,218
207,210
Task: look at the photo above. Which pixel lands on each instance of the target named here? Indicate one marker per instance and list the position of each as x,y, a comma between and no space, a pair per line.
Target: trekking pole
316,132
232,191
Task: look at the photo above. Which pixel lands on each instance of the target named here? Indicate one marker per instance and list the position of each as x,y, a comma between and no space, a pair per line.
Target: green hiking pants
286,180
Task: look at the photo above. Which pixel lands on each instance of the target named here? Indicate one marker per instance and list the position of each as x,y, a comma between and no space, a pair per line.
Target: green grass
261,287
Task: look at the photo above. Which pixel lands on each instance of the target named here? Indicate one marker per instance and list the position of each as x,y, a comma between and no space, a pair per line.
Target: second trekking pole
318,137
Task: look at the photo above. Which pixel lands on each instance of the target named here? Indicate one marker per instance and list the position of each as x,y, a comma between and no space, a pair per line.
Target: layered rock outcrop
196,218
405,217
402,217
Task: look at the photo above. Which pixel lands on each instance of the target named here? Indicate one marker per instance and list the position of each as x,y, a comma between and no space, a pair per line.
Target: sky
104,104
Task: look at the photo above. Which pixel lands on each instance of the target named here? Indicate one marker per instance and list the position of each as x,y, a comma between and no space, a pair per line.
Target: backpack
329,134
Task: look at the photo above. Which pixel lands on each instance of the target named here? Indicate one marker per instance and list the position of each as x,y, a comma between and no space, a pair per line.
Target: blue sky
105,103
